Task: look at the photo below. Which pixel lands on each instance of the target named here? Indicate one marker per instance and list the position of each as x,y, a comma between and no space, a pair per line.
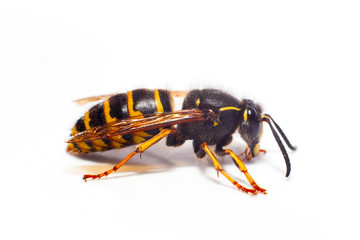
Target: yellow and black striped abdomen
121,106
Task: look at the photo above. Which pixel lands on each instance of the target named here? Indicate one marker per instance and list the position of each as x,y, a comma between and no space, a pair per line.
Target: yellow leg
139,149
220,169
243,169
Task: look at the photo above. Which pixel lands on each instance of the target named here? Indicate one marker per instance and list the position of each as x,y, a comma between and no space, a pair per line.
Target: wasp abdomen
134,103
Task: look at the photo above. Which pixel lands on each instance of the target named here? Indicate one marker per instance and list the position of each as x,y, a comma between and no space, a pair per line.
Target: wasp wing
83,101
136,124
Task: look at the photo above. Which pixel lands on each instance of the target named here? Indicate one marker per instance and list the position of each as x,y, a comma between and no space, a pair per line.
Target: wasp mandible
209,117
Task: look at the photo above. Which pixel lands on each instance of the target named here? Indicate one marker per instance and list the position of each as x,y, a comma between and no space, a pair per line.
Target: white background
300,60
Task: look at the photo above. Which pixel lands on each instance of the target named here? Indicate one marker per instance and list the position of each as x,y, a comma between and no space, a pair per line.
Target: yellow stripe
106,106
99,144
245,115
87,120
158,104
82,145
142,134
138,139
97,148
130,105
71,148
197,102
74,131
230,108
115,144
256,148
119,139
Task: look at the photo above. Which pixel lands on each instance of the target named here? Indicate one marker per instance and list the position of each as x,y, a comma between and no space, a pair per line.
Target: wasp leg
219,147
199,151
139,149
243,169
219,168
174,139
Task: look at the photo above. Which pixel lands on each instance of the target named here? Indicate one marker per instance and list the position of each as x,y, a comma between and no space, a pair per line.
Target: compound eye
251,114
254,122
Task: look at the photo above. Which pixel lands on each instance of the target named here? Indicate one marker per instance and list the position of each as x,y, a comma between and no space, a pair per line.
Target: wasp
209,117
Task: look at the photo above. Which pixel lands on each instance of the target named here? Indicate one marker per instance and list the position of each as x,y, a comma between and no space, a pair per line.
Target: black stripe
165,100
89,143
93,115
127,137
100,118
152,132
80,126
118,106
144,101
97,117
77,147
107,141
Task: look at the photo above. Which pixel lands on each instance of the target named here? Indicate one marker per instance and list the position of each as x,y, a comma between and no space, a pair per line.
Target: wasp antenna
281,146
281,133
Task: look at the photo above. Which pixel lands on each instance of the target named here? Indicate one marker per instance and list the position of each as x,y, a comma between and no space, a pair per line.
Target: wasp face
251,127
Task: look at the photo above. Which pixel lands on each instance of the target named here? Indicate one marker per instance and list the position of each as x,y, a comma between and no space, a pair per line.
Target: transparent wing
83,101
86,100
130,125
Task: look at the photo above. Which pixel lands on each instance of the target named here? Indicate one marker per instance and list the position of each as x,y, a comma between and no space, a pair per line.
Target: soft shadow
211,174
158,158
125,171
277,156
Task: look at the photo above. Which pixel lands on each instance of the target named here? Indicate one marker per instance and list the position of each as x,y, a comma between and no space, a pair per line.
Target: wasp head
250,126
